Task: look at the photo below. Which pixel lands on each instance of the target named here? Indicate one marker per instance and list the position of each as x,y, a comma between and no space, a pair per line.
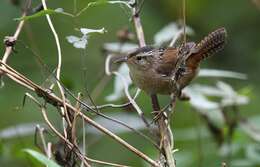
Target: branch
138,25
54,100
12,40
9,49
165,133
70,144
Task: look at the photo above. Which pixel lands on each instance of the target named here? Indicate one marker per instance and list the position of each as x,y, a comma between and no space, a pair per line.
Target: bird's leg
159,114
166,111
180,72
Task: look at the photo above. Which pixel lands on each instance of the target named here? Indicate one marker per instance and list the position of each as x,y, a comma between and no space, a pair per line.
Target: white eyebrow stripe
147,54
150,53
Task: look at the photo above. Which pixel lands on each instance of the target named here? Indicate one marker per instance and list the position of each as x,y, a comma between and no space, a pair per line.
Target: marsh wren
168,70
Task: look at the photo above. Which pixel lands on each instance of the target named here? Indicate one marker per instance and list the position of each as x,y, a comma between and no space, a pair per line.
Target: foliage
216,93
41,158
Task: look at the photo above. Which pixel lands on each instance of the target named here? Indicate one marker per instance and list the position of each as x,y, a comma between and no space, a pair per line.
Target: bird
167,70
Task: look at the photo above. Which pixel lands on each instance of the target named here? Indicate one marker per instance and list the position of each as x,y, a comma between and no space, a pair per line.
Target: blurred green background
241,18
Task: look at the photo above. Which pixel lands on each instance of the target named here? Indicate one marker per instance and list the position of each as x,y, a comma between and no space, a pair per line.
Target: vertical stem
138,28
75,7
8,49
58,70
164,133
184,20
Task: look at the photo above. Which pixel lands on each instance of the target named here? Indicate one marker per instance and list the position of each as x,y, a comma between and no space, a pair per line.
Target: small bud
9,41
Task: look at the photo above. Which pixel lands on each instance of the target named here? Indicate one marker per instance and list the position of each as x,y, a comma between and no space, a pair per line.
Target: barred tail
211,44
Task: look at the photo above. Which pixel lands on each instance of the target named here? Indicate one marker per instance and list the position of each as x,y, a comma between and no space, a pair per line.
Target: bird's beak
121,59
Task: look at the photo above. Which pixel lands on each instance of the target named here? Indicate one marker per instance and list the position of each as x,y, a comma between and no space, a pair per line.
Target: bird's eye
182,69
138,58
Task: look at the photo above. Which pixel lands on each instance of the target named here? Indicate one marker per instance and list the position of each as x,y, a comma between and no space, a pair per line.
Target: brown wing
211,44
166,61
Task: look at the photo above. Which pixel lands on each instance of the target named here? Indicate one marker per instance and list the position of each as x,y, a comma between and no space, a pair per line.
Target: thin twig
84,158
40,130
119,105
70,145
48,147
126,85
165,133
9,49
73,129
16,78
184,20
83,139
58,70
104,163
176,37
138,25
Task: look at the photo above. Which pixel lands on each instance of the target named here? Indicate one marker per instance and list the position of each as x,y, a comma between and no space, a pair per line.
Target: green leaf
43,13
41,158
